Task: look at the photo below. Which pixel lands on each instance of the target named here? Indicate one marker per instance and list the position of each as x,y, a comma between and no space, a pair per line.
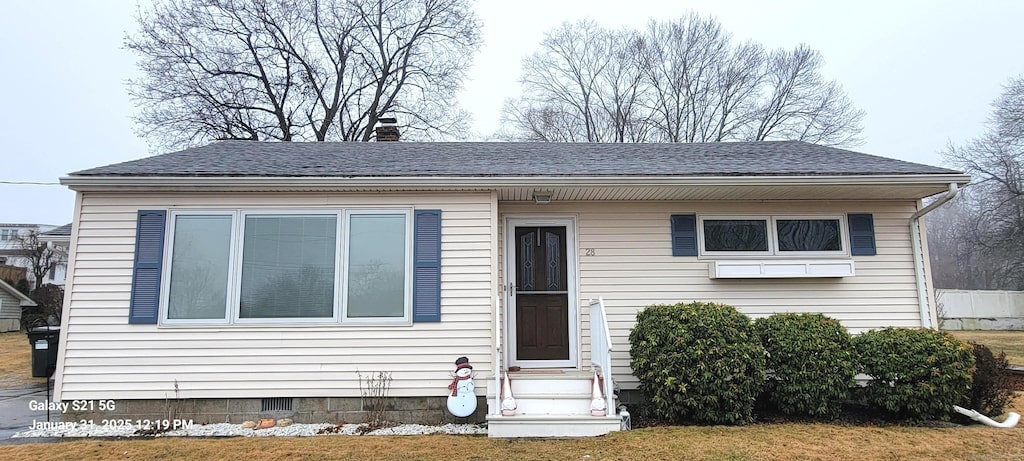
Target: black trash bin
44,342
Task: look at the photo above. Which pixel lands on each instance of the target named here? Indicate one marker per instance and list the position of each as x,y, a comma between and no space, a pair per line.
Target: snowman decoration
462,400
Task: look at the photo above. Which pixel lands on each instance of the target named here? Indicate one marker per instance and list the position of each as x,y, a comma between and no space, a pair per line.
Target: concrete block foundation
331,410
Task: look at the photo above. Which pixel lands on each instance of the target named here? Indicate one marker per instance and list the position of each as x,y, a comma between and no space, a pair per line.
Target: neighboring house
58,237
10,252
264,278
9,249
11,303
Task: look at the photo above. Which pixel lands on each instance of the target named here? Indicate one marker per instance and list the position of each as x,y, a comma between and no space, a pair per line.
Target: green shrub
918,374
697,362
810,363
992,385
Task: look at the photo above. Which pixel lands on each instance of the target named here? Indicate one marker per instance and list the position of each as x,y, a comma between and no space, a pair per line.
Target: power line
30,183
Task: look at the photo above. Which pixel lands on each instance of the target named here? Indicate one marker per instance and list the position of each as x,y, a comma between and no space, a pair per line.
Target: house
58,237
11,303
9,245
248,278
12,253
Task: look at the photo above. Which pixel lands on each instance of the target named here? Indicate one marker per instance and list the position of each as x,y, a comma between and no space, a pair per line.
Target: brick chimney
388,130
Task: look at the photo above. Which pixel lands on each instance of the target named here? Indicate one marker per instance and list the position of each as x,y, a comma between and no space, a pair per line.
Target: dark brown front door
542,294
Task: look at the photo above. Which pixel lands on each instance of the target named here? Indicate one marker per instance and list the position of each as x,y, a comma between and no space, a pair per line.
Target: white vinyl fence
981,310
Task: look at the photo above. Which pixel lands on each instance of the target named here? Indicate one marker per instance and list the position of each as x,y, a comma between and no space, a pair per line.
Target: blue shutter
862,234
144,306
684,235
426,271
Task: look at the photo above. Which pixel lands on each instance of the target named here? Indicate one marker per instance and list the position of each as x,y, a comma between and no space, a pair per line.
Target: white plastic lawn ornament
462,400
598,407
508,401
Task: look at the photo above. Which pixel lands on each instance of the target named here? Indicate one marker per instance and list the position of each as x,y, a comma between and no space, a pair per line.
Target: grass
807,441
1011,342
16,361
755,442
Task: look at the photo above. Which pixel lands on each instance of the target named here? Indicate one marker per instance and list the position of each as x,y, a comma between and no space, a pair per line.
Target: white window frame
844,236
165,276
237,246
773,237
232,307
744,254
343,279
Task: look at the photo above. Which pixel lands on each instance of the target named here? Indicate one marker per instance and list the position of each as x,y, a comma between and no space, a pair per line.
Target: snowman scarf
454,386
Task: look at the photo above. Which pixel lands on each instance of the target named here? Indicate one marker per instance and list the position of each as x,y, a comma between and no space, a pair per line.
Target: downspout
915,239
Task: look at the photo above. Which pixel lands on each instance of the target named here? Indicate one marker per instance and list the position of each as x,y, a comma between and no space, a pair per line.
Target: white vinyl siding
10,306
632,266
105,357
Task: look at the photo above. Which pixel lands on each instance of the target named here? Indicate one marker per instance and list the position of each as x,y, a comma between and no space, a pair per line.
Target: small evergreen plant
698,362
917,373
810,363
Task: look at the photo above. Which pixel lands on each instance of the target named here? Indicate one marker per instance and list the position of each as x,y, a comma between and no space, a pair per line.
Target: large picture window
772,235
288,267
245,266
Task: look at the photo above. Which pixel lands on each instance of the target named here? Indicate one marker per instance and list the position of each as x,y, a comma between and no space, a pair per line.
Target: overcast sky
924,71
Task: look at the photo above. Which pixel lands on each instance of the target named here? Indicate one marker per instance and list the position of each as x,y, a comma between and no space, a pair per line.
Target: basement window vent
276,404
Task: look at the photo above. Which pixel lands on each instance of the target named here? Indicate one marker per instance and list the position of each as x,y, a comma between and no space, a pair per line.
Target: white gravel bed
236,430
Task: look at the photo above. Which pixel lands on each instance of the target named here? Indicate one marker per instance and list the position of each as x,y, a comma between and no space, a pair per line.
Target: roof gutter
489,182
918,253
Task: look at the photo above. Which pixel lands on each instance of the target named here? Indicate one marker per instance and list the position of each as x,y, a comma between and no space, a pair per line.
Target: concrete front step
569,382
552,404
551,425
549,404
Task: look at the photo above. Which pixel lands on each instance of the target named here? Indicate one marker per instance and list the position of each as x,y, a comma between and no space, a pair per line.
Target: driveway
15,407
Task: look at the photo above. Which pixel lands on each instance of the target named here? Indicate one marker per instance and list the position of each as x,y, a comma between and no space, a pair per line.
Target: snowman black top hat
462,362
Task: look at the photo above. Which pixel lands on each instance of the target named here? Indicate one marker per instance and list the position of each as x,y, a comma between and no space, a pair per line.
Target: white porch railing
496,409
601,349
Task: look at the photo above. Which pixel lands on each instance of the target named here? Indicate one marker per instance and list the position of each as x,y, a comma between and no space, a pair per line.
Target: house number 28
589,252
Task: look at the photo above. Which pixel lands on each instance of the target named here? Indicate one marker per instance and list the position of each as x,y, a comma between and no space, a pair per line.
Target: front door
541,296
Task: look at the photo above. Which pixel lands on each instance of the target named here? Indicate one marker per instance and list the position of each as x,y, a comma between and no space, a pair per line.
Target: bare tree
957,261
582,86
994,227
1009,109
42,257
802,105
700,86
311,70
677,81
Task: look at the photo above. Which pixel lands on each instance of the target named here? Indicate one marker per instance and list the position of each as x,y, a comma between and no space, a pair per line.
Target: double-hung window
772,236
302,266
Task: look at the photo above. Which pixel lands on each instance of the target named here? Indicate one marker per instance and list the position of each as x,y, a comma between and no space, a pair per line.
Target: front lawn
16,361
1011,342
763,441
754,442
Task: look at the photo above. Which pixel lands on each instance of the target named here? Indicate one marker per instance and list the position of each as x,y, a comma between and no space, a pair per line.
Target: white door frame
572,269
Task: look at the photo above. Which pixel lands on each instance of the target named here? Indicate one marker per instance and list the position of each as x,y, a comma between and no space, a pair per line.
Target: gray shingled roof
394,159
61,231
